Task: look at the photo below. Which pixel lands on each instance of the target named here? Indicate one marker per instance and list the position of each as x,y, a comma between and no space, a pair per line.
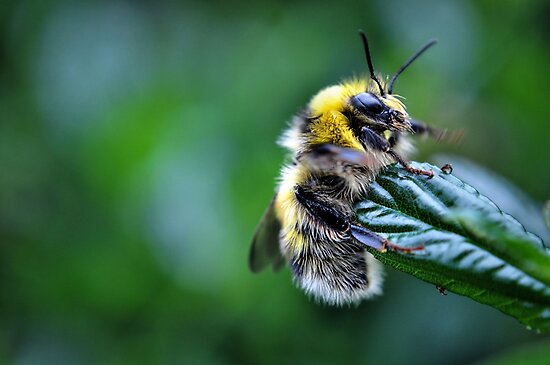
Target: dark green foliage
472,248
137,154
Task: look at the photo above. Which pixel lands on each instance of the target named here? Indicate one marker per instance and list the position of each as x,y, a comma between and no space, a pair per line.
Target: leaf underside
472,248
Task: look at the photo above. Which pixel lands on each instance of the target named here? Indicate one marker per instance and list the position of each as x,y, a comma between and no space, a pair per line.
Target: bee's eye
366,102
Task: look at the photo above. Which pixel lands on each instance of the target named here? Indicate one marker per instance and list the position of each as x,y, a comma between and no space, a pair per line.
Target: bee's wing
265,244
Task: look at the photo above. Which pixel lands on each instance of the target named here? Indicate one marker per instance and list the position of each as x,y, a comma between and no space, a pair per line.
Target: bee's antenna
369,60
430,43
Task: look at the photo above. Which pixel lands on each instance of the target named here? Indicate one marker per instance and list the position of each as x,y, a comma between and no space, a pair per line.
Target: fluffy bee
339,143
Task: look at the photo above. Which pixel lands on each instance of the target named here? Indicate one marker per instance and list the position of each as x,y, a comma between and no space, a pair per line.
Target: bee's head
339,114
380,112
376,106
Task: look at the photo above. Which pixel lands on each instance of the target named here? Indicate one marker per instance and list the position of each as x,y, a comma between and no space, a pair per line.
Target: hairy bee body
327,262
338,145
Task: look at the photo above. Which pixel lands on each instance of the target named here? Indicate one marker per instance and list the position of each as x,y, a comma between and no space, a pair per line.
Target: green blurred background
137,154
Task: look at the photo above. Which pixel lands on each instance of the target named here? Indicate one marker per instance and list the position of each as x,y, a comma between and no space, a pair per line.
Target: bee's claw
447,168
408,167
428,173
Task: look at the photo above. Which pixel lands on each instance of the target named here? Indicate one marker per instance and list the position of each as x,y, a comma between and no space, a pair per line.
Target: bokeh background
137,154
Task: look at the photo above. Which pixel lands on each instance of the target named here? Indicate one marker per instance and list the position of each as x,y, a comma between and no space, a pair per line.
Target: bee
338,143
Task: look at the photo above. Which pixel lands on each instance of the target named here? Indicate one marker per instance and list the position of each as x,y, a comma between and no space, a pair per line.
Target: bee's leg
373,240
323,211
421,128
408,167
377,142
374,140
436,133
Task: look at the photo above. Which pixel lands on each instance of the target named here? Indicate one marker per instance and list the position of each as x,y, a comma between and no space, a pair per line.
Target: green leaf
502,192
518,250
471,248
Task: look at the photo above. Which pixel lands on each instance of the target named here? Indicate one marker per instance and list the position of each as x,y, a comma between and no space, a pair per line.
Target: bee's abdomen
328,263
335,272
325,260
329,258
